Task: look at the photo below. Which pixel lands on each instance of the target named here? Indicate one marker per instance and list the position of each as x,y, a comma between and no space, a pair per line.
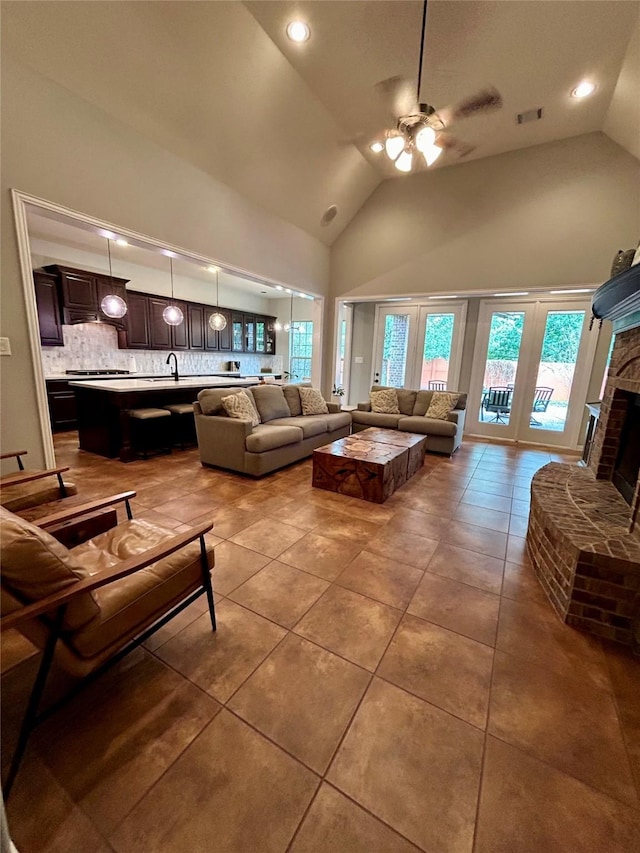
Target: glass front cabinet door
249,333
260,335
237,325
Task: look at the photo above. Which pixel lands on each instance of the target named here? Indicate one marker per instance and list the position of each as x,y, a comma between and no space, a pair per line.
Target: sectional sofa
442,436
284,436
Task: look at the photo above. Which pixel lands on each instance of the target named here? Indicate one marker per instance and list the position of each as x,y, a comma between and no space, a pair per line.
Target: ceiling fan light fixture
431,154
404,161
376,147
394,144
425,138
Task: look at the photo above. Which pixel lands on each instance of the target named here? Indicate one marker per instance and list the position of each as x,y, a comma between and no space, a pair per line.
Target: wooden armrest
81,509
15,453
28,476
120,570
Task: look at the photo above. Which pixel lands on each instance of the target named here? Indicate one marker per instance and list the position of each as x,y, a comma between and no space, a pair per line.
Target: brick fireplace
583,535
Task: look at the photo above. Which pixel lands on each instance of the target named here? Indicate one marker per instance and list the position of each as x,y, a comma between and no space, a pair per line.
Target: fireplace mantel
618,300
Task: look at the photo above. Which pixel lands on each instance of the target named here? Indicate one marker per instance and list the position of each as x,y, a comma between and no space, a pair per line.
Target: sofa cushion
337,420
292,396
210,399
423,400
427,426
406,398
269,437
310,425
375,419
241,406
384,401
270,402
313,403
35,565
441,404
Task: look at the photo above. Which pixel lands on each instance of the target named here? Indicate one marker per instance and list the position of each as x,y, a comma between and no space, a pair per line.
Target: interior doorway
531,368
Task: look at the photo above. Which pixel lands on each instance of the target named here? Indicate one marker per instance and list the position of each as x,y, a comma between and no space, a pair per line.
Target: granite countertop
117,377
160,383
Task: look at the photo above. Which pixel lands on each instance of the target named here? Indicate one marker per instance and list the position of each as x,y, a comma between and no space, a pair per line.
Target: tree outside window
301,350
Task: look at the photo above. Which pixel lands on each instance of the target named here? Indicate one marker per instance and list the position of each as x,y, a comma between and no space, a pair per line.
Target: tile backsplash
91,346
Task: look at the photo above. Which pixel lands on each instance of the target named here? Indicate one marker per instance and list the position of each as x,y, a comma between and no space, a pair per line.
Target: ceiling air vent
529,115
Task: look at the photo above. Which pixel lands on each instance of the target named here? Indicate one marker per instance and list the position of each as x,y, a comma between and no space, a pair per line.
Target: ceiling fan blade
454,145
397,95
485,101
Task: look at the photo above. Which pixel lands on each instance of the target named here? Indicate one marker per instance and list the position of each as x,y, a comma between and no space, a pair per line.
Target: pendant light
112,305
172,315
217,321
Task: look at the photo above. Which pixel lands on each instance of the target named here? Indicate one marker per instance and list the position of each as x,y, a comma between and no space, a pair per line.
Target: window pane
505,337
301,350
394,351
556,369
438,337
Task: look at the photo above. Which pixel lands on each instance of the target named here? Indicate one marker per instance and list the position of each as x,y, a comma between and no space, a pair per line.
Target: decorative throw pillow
384,401
441,404
313,403
241,406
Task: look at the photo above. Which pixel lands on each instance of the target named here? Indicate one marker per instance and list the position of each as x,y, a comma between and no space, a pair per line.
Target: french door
419,346
531,368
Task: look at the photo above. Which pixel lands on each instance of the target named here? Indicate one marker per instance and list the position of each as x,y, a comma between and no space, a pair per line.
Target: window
300,350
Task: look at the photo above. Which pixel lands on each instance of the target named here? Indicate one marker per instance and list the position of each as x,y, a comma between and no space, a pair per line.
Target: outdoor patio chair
88,606
435,385
540,403
497,400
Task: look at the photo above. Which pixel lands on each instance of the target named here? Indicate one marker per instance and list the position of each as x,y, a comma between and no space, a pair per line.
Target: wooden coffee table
369,465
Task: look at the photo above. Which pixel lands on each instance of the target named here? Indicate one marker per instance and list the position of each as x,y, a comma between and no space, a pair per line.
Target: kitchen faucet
174,373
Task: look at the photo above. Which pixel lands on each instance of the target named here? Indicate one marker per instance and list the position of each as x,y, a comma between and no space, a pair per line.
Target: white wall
60,148
622,123
554,214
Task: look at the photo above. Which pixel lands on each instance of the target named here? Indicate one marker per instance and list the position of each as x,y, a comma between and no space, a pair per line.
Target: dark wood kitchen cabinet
49,320
249,333
107,287
195,322
237,331
160,332
62,405
80,293
224,337
137,335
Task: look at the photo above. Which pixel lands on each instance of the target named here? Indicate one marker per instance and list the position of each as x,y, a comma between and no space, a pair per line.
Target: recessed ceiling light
574,290
398,299
121,241
520,293
211,269
169,253
298,31
279,287
584,89
376,147
108,234
442,297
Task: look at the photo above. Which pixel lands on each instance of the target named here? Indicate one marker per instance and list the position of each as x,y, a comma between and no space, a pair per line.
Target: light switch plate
5,346
359,359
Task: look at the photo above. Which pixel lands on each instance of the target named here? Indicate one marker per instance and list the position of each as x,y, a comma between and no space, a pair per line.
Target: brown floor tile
488,488
493,474
624,670
189,506
423,502
517,550
446,669
310,515
531,630
302,697
351,625
228,520
261,504
343,526
569,723
231,791
268,536
388,581
528,806
397,749
335,824
368,511
421,523
457,606
467,567
488,542
520,583
180,621
320,556
280,592
219,662
492,519
518,525
110,744
487,500
235,565
155,517
519,507
403,546
522,493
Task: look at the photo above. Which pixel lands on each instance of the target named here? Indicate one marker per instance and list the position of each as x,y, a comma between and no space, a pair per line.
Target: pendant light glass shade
217,321
277,326
425,138
431,154
393,146
404,161
112,305
172,315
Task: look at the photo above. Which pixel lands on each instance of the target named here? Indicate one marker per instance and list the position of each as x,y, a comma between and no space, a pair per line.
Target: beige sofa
443,436
284,436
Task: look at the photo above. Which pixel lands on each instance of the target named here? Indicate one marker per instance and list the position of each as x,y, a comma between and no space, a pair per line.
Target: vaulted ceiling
289,126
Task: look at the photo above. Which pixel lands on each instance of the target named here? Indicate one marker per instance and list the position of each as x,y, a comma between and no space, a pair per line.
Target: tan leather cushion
35,565
268,437
27,495
309,425
210,399
129,604
270,402
148,414
180,408
427,426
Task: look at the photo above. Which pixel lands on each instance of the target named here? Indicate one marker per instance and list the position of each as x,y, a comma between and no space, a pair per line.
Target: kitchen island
103,407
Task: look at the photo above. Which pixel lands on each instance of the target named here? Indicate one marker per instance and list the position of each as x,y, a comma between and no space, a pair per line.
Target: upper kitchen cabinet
249,333
160,332
46,286
270,336
224,336
237,331
195,319
81,293
138,332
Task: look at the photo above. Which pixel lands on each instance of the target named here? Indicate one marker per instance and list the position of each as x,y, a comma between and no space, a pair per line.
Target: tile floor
384,678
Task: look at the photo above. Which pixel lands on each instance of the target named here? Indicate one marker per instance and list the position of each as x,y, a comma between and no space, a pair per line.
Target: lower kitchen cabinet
62,405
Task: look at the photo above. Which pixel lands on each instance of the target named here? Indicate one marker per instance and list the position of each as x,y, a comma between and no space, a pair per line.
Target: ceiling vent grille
530,115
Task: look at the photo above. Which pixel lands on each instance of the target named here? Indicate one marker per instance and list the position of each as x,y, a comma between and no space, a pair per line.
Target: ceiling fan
420,128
